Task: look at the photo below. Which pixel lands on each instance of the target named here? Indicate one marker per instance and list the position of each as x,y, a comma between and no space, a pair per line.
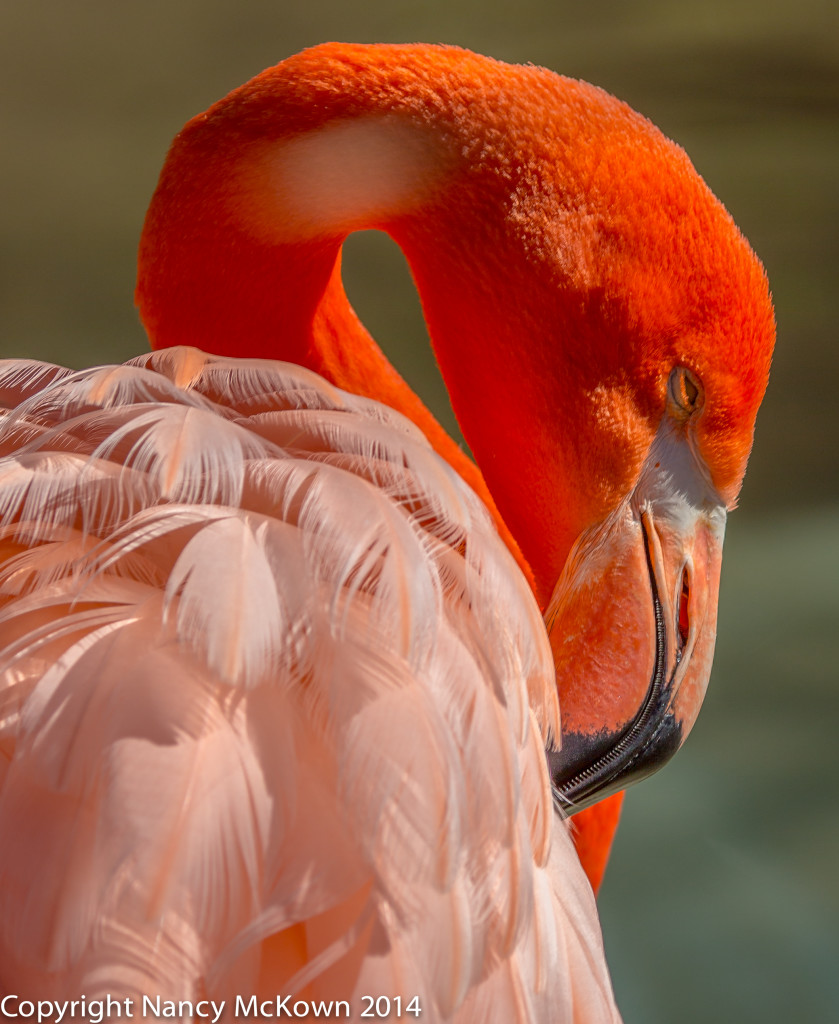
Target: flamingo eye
684,392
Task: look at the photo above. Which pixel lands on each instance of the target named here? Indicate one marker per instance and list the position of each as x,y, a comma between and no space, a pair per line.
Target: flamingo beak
632,624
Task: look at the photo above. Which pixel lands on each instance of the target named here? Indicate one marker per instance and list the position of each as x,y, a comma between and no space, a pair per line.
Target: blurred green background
722,900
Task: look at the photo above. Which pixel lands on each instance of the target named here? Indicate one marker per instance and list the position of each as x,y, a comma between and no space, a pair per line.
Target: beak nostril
683,623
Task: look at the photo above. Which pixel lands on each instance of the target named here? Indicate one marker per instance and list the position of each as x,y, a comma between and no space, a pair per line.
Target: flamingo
277,685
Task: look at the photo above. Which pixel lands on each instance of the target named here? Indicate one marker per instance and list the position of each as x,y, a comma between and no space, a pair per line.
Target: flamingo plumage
277,688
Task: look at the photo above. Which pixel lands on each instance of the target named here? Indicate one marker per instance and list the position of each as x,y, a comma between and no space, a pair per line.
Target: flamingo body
277,691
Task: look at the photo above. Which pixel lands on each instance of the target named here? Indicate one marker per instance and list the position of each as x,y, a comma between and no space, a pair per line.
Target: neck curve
536,214
240,253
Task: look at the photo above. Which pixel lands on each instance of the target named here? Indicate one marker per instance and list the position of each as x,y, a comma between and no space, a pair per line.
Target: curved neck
240,255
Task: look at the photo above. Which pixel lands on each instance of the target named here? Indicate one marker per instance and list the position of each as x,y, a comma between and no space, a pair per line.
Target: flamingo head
625,329
651,356
632,617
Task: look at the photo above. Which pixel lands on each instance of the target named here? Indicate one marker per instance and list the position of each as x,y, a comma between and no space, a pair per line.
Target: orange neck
542,253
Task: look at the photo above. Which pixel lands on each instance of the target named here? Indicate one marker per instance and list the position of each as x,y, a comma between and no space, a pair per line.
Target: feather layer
273,705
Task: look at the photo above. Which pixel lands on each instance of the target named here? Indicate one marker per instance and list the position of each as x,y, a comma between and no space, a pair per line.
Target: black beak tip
590,768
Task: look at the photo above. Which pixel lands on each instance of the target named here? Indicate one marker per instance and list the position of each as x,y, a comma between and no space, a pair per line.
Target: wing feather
273,706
